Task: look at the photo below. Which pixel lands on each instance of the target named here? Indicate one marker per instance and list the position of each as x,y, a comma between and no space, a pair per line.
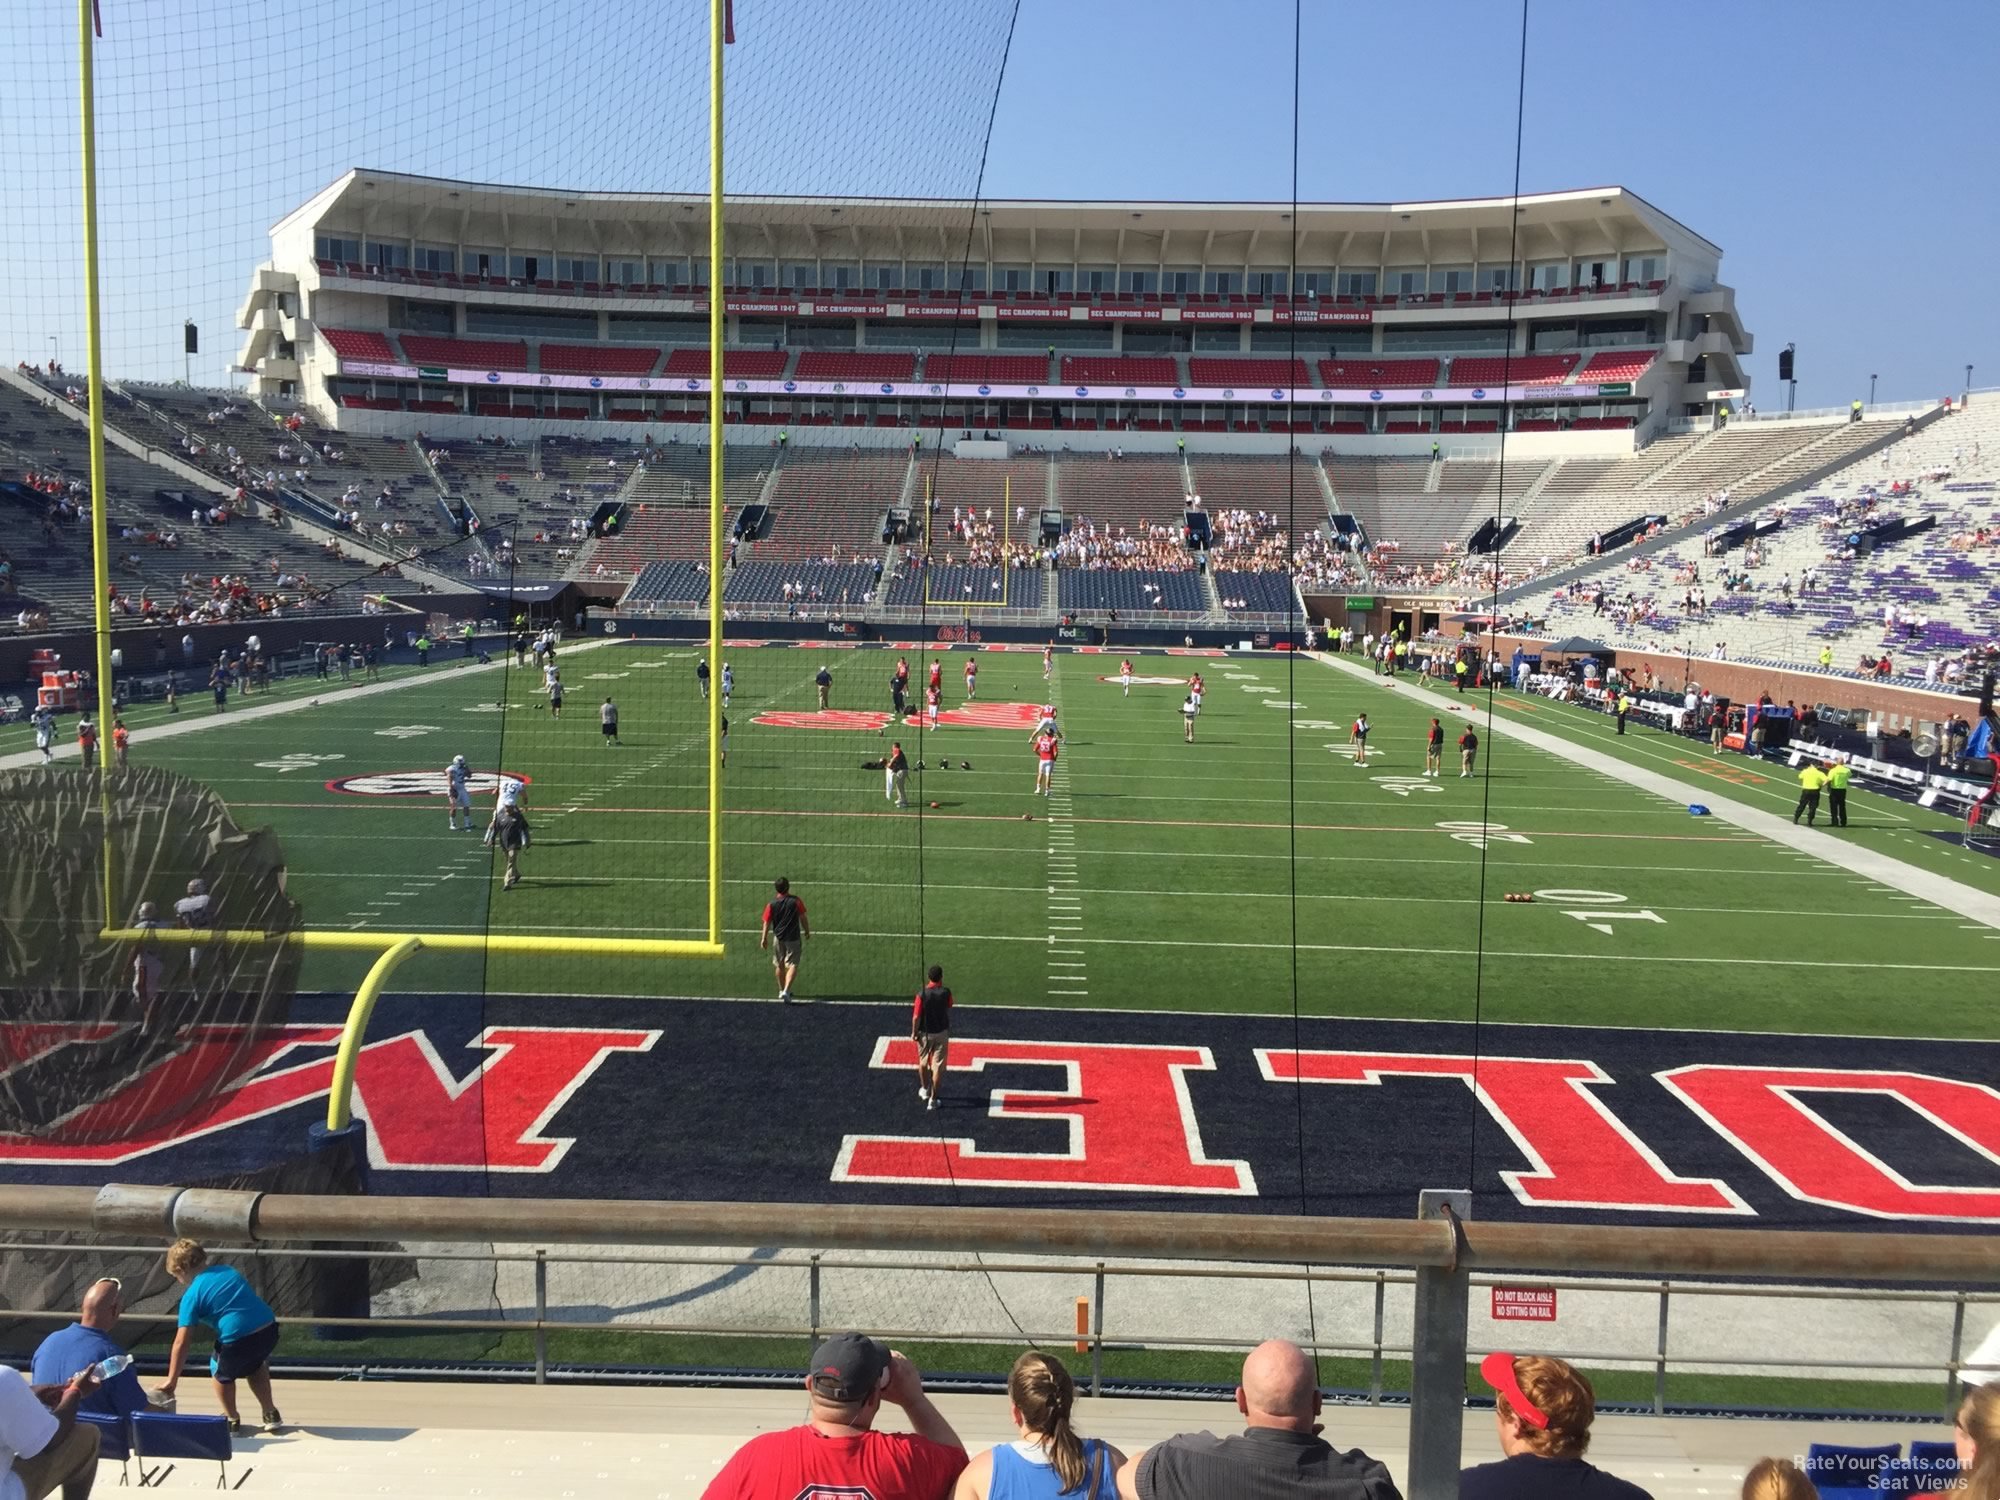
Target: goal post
931,601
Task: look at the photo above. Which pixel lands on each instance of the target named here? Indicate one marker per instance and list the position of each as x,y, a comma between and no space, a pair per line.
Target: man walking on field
785,932
930,1029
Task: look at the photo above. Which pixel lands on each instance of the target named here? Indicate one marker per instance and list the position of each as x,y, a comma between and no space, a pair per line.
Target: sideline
69,750
1939,890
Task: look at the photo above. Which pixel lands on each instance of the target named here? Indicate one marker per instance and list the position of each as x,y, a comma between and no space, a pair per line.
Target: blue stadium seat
1260,593
1133,591
1844,1473
1930,1468
839,585
667,583
942,587
164,1435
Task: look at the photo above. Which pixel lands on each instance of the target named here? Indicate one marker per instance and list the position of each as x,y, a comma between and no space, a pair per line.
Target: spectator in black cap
837,1450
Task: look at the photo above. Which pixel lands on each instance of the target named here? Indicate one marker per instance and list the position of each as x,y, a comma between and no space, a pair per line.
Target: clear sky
1837,152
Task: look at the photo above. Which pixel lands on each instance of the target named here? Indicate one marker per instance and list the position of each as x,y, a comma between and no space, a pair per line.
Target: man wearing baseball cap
1544,1408
838,1450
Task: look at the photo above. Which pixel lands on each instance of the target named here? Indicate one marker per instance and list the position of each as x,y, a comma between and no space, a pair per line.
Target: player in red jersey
937,674
903,670
1046,743
1125,676
1048,661
931,696
971,678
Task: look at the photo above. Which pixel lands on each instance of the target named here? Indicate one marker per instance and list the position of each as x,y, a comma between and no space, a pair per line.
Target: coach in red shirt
838,1451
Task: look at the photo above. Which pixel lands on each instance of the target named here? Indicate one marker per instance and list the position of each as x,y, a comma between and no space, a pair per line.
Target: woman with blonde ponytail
1977,1434
1049,1459
1777,1479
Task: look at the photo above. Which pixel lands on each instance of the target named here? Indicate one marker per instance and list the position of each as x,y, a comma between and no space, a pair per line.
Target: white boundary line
1939,890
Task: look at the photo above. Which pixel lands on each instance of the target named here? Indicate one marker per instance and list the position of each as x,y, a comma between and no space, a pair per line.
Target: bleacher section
1287,486
1617,364
1014,590
1118,369
818,587
598,359
669,517
475,354
1251,374
834,364
830,503
987,369
357,344
1373,372
666,583
1469,370
1135,491
1255,593
1941,582
1133,592
984,484
737,364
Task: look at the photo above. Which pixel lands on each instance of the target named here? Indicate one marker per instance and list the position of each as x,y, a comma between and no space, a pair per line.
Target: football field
1260,869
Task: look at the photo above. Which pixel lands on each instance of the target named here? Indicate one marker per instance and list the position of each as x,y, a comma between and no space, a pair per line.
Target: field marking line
1939,890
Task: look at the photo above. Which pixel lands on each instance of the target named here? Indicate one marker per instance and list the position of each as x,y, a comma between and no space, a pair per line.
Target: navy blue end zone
717,1100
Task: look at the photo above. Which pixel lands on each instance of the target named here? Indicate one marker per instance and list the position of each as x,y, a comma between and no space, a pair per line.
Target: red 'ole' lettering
1760,1111
1583,1156
422,1118
1131,1124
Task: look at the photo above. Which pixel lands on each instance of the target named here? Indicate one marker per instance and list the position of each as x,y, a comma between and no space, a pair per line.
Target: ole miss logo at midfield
467,1094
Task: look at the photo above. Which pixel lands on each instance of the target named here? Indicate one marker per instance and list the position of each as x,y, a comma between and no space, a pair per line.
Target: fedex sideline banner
965,390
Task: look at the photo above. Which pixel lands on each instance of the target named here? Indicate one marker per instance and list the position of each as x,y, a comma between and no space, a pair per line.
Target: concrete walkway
1941,891
441,1441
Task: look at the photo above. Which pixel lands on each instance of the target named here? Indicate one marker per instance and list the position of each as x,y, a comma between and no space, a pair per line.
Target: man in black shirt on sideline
785,932
930,1029
1280,1453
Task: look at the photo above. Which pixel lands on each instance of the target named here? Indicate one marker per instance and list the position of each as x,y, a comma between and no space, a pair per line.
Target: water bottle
117,1364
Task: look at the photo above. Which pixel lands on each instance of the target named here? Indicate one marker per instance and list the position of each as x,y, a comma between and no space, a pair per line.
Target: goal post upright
717,304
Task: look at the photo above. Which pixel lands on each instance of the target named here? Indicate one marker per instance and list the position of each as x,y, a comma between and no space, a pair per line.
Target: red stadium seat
429,349
354,344
1356,373
598,359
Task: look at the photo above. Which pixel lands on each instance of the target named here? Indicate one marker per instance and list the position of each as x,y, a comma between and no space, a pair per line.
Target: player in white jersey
971,680
728,683
1048,662
45,731
457,794
1125,676
196,913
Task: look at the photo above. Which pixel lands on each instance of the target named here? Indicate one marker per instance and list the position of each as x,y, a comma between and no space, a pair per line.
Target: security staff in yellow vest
1621,706
1811,779
1837,776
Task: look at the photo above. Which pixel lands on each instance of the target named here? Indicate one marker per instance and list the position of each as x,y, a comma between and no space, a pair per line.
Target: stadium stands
475,354
1373,372
1519,369
1255,593
818,587
1134,491
737,364
1133,592
1617,364
942,590
841,365
987,369
666,583
1115,369
598,359
1259,374
357,344
829,503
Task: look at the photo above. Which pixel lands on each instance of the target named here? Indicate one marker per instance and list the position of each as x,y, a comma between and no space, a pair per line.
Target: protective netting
107,1039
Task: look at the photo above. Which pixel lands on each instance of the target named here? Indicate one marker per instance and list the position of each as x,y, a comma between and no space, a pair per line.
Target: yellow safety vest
1812,778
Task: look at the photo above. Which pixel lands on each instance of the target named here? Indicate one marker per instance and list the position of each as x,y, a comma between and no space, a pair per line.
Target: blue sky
1838,159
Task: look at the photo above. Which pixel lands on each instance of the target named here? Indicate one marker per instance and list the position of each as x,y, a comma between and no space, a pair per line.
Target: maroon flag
96,18
728,21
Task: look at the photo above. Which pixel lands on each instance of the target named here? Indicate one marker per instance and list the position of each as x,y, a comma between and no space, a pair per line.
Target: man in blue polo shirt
69,1351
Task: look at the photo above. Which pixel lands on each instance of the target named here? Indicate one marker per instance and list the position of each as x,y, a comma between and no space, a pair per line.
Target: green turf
1211,876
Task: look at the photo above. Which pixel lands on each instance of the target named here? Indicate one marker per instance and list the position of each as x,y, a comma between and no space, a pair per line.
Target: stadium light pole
1871,390
1966,389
